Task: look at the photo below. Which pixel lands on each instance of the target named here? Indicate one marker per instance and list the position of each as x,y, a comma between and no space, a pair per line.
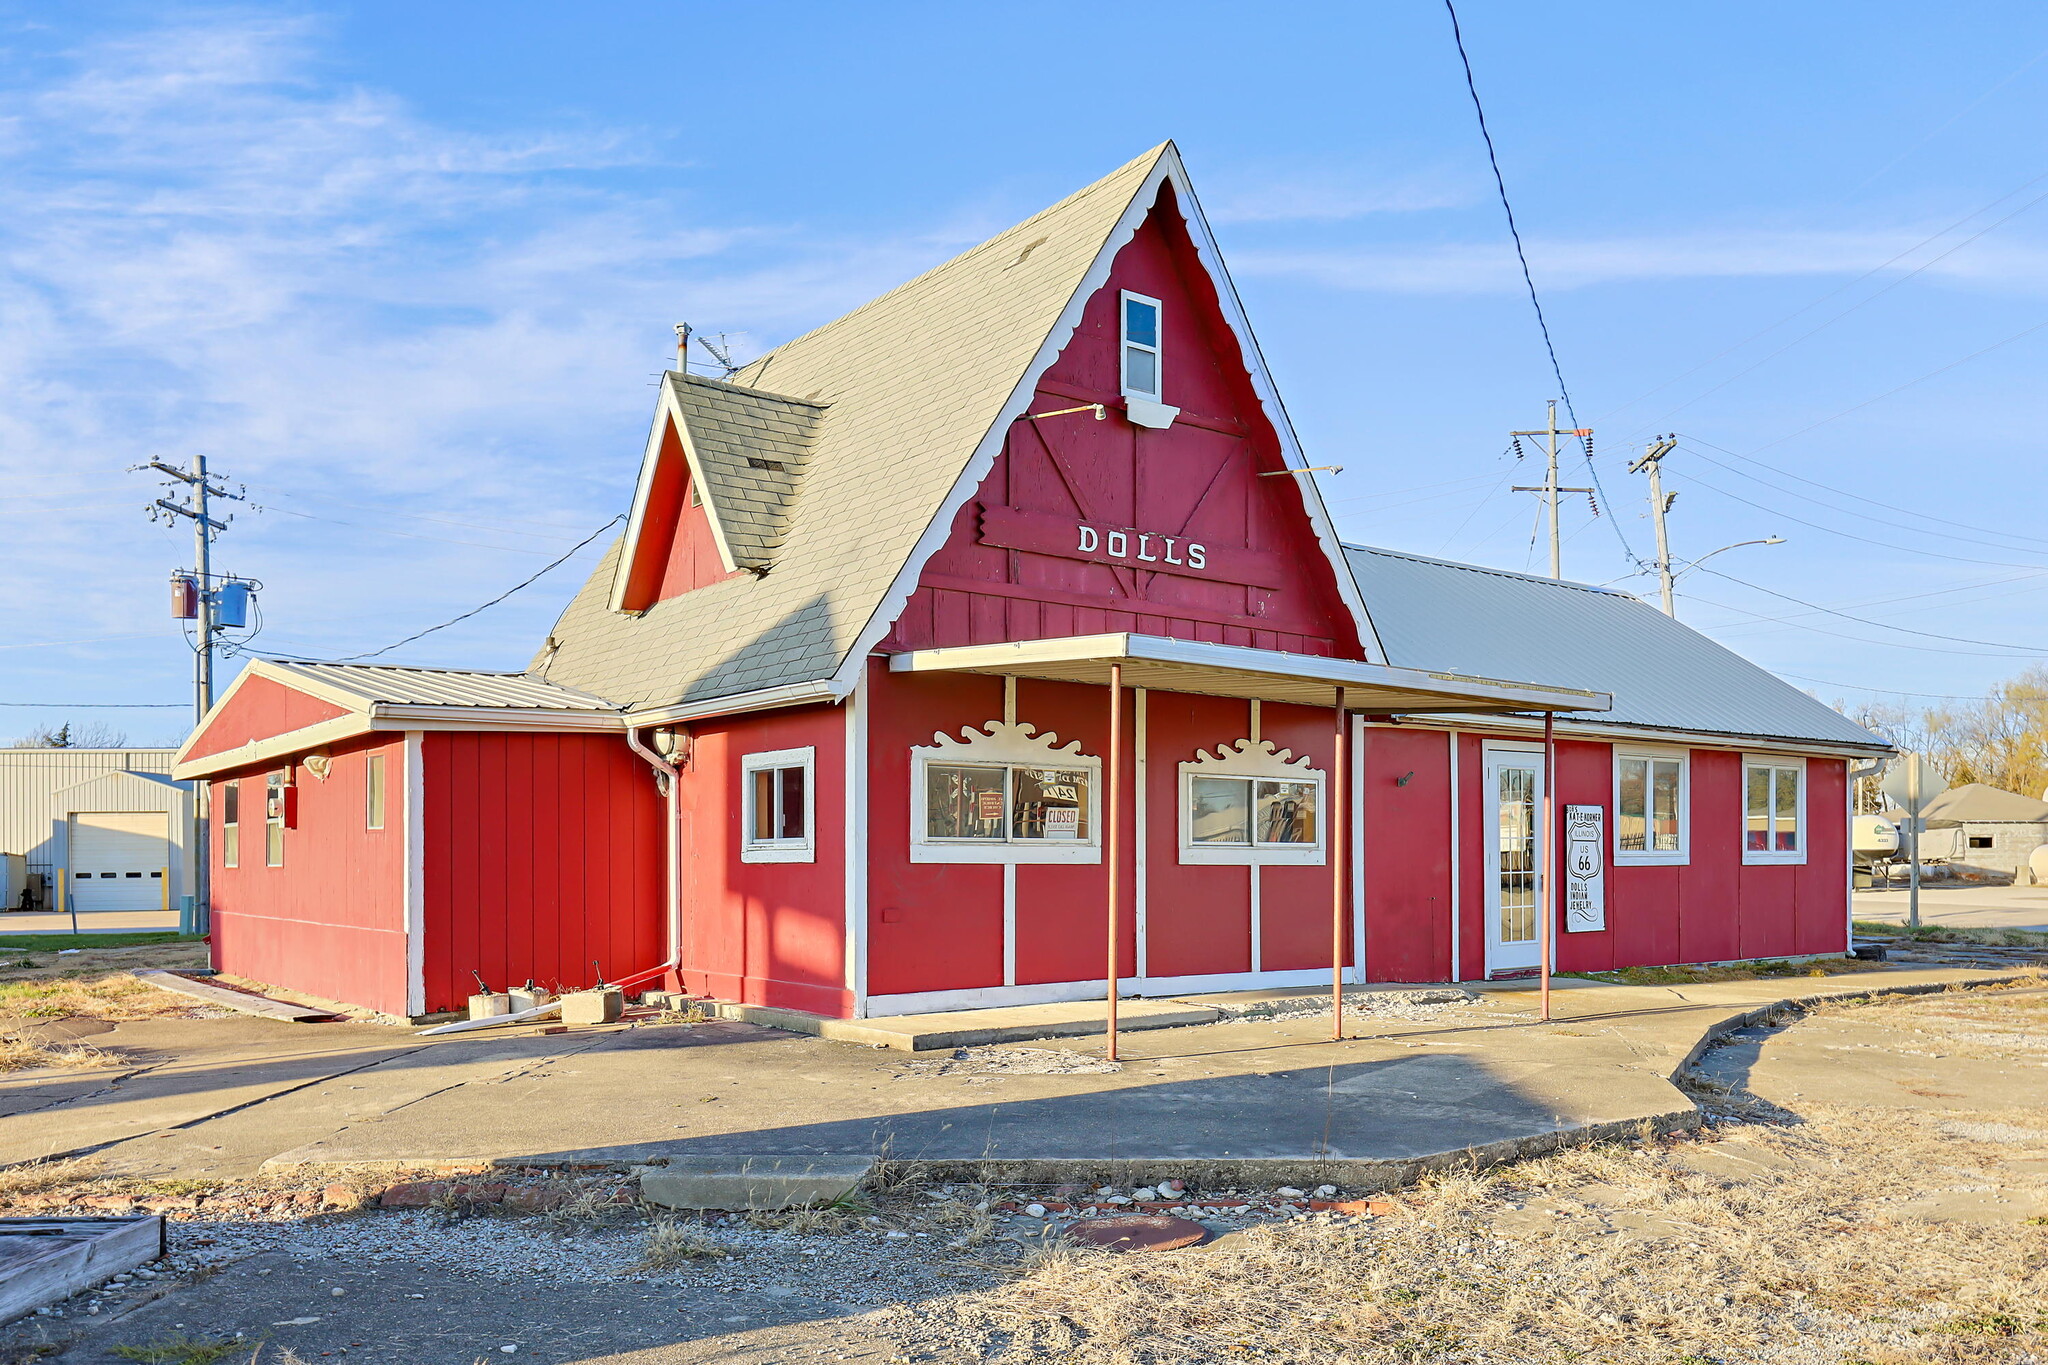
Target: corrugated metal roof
1432,613
396,685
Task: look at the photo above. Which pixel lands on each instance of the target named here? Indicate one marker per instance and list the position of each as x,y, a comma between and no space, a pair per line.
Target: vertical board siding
765,933
1406,850
331,921
1199,917
544,853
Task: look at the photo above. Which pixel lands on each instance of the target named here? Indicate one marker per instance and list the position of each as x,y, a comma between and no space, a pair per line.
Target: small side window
777,806
1774,801
230,824
373,792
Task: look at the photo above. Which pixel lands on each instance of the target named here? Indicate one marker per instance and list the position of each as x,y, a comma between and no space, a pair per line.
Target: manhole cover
1140,1232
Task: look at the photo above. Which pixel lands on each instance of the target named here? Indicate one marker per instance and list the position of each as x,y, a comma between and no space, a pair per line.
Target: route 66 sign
1585,868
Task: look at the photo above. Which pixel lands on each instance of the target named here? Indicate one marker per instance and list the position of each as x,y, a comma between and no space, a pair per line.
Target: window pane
1287,812
1664,807
1219,810
374,784
231,803
1630,808
1788,810
963,803
1141,323
791,825
231,846
1049,803
274,847
1141,371
1757,835
761,802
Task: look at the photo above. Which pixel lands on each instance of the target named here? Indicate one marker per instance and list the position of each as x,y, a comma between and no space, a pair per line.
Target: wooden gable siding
260,709
1266,583
675,551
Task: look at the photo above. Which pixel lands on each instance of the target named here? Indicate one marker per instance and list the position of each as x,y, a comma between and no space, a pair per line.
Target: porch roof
1168,665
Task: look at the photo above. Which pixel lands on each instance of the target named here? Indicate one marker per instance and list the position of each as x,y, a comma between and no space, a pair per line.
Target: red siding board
1405,847
261,708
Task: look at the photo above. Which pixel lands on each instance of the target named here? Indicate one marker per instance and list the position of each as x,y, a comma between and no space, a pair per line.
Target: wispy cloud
1467,268
206,245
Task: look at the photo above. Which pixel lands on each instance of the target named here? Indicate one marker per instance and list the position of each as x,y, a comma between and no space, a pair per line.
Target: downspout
669,778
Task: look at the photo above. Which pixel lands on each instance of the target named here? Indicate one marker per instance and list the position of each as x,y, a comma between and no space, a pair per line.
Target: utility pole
1652,463
1550,487
201,489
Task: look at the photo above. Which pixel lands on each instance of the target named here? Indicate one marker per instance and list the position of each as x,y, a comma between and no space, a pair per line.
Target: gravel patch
1009,1061
1419,1007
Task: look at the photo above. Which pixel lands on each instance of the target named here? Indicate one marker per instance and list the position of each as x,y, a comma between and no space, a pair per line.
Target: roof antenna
721,351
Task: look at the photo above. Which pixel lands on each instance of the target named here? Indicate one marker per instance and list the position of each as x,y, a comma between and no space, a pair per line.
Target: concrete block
593,1007
753,1182
489,1006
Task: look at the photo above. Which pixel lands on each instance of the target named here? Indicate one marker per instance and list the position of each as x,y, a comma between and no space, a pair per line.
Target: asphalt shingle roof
908,386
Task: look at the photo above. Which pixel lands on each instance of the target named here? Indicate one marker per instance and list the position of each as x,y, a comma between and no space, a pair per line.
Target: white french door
1514,852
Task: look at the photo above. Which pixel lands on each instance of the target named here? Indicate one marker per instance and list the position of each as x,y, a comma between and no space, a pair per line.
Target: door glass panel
962,802
1287,812
1220,810
1515,792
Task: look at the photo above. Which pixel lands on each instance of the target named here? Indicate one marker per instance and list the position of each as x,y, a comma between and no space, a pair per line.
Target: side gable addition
721,472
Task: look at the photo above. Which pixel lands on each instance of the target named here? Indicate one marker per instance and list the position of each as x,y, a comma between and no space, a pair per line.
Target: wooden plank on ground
244,1001
45,1260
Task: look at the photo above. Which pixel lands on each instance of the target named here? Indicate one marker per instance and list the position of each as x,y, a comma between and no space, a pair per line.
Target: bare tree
94,734
2001,740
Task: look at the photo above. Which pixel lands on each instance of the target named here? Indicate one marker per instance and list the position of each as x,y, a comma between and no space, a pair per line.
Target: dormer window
1141,346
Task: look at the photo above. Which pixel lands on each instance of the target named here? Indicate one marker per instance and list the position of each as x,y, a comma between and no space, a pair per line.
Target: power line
1843,492
1854,639
350,658
1888,691
98,705
1500,185
1864,620
1866,540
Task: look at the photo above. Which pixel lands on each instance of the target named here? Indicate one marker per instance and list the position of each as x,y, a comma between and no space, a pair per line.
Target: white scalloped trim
1252,758
1000,741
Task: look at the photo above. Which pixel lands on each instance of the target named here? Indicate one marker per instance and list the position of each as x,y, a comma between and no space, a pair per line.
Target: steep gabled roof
1433,613
917,391
748,449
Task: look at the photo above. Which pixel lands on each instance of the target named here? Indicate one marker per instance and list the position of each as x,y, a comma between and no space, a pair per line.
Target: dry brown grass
1776,1242
1745,971
42,1177
672,1244
25,1054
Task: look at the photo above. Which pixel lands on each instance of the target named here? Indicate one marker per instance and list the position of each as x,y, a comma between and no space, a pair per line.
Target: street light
1671,578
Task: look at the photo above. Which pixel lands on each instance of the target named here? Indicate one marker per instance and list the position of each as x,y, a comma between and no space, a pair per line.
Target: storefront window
1772,806
1649,808
1006,802
1249,816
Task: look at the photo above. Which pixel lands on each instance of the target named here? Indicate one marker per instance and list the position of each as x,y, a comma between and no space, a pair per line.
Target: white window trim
231,849
802,850
1252,759
1003,744
1770,857
373,817
1682,855
1124,344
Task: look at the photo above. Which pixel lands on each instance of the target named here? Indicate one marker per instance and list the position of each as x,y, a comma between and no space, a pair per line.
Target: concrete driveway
1967,907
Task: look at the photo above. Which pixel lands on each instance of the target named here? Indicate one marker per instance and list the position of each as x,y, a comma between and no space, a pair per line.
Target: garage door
119,858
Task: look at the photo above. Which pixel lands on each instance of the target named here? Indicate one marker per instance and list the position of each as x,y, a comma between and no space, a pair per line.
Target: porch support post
1546,877
1340,784
1112,843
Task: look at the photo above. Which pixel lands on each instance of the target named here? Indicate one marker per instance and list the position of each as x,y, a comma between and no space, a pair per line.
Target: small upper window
777,805
1141,346
1773,804
231,824
373,792
1649,808
276,810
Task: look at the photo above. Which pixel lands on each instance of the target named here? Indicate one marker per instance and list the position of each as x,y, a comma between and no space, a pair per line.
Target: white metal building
109,828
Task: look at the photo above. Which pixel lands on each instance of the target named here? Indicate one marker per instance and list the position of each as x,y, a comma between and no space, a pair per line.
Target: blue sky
409,271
